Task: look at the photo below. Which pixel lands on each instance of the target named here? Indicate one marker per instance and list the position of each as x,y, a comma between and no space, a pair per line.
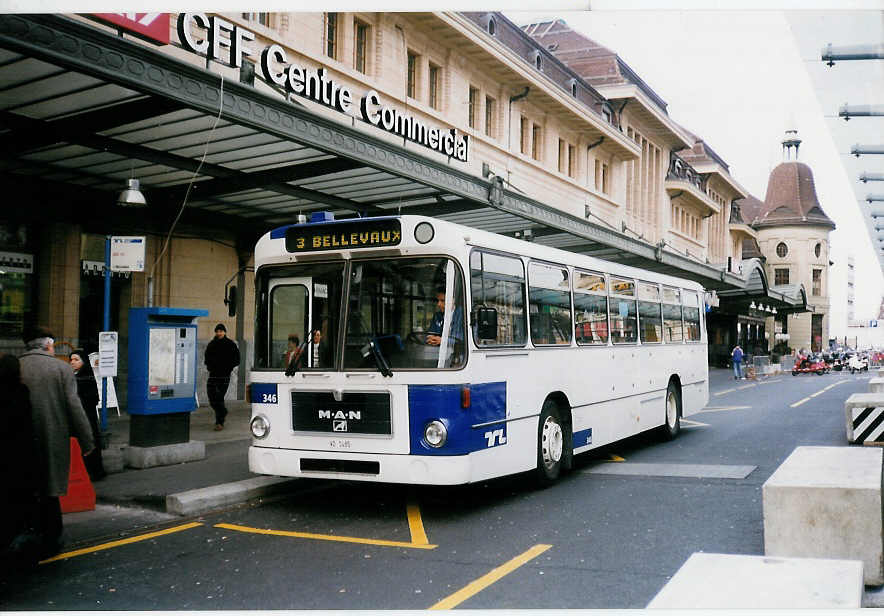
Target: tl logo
496,437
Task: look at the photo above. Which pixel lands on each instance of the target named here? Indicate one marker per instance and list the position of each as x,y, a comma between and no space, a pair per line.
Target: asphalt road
609,535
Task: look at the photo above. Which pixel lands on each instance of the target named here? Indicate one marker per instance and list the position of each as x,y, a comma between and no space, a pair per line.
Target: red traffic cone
80,495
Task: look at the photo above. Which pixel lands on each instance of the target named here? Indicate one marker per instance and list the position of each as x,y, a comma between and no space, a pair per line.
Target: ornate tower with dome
793,235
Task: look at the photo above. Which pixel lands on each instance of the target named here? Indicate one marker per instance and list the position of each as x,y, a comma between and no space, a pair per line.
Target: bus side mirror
230,300
486,323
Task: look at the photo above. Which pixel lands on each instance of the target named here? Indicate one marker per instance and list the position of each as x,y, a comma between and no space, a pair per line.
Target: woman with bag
87,391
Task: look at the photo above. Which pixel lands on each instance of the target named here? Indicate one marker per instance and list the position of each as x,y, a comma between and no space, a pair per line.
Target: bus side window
590,308
498,282
691,315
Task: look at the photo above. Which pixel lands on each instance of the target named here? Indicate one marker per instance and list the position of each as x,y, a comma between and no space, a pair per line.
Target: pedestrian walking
87,391
19,471
222,356
57,415
737,357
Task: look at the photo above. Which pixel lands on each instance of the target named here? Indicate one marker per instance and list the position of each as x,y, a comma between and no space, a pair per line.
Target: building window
490,109
538,61
781,276
360,47
524,135
574,88
563,156
331,35
536,141
782,250
434,86
492,27
817,288
601,177
412,75
474,107
817,249
572,161
259,18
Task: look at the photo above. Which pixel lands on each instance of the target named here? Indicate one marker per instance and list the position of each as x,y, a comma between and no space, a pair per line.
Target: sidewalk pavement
189,488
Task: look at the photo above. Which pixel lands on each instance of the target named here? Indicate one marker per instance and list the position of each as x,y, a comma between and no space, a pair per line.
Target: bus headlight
260,426
424,233
435,433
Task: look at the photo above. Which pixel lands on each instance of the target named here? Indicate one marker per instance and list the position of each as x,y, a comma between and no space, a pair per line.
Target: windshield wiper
374,348
377,355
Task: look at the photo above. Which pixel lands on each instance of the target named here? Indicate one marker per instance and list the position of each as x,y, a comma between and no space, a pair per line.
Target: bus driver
434,330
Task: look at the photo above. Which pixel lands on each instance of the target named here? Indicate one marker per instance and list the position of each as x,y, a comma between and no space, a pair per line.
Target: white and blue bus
426,352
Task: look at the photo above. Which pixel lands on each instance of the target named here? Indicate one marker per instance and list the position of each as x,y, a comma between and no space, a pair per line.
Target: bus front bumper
389,468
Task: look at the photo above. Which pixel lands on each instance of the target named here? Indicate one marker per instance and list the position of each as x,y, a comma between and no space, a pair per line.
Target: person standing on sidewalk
87,391
222,356
57,415
737,357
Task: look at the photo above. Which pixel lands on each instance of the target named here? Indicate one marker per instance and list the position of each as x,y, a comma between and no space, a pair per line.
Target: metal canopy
82,110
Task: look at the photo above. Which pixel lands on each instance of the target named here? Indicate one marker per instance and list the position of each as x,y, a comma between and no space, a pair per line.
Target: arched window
818,249
782,250
538,61
492,27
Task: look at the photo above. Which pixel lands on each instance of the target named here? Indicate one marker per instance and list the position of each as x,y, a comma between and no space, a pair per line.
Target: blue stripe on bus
264,393
279,232
443,402
582,438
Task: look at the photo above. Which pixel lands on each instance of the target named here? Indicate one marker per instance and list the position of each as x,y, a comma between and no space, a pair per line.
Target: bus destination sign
344,235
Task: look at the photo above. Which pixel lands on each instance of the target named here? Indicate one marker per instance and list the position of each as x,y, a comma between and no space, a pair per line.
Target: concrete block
876,385
864,414
881,372
825,502
201,500
164,455
112,460
738,581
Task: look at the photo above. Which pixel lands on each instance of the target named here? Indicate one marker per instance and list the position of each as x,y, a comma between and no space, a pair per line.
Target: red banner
151,26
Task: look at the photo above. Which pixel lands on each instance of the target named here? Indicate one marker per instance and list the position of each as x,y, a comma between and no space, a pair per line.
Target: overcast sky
738,79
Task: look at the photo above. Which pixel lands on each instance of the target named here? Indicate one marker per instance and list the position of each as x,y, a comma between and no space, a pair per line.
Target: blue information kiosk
162,374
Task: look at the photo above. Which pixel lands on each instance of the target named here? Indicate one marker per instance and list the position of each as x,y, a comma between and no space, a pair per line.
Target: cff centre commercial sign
220,40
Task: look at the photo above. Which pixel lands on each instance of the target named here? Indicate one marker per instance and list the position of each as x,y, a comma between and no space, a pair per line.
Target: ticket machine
163,362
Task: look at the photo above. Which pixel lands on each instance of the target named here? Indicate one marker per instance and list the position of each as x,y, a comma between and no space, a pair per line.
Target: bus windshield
411,310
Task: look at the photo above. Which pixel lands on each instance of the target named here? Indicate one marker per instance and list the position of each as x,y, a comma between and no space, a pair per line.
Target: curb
202,500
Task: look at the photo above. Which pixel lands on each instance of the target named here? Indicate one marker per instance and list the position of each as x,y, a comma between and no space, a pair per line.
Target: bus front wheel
550,444
672,425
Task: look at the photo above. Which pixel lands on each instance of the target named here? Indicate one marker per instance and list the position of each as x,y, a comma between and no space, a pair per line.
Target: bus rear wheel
550,444
672,423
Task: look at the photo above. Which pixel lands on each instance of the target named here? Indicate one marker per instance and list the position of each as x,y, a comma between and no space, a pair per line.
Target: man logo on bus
339,425
340,414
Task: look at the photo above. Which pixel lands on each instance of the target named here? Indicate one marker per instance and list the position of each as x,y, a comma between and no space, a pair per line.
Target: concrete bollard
876,385
864,414
740,581
825,502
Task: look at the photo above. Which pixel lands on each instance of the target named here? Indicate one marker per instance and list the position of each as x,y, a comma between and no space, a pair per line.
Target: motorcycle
809,363
858,363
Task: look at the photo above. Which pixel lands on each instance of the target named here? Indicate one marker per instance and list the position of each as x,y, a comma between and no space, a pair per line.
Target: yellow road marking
489,578
114,544
615,458
288,533
416,525
725,391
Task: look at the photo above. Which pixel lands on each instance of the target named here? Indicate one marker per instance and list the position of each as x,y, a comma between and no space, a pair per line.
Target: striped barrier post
865,417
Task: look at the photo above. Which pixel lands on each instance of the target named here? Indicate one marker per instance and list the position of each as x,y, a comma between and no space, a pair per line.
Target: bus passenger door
290,314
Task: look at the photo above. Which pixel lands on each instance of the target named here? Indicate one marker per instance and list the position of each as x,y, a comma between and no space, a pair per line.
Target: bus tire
550,444
672,412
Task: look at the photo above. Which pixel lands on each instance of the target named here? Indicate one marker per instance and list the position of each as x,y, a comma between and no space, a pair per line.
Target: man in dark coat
57,416
222,356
